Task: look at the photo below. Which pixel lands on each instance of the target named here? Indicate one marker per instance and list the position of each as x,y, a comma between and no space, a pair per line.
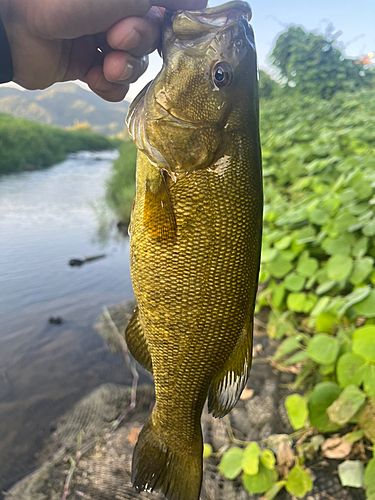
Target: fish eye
222,74
238,43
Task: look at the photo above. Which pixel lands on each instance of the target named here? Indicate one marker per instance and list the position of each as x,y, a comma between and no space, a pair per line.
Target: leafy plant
257,468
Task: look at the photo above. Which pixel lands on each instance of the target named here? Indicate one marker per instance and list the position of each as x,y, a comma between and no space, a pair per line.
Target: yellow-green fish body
195,237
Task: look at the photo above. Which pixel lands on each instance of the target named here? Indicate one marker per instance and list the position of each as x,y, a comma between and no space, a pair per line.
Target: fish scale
195,243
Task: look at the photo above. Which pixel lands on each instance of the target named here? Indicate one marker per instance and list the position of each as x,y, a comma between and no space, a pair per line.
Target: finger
111,92
121,66
137,35
72,19
181,4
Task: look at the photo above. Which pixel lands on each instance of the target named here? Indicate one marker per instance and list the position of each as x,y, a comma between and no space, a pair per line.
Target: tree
314,64
268,88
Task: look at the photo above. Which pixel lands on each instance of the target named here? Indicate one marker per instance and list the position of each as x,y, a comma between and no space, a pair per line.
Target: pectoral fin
158,215
137,342
227,386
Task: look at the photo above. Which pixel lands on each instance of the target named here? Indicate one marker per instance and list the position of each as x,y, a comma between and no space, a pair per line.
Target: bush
24,143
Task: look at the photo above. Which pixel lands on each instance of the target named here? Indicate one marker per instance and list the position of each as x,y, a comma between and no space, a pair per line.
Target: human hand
57,40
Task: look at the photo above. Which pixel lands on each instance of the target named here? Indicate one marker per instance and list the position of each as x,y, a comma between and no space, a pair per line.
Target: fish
195,237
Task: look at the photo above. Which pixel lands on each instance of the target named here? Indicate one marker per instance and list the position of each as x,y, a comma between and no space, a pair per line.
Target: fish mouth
193,24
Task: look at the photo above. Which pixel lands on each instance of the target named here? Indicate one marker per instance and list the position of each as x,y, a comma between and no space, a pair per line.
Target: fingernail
127,72
131,41
103,85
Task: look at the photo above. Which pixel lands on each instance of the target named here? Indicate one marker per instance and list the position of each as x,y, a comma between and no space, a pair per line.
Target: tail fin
173,469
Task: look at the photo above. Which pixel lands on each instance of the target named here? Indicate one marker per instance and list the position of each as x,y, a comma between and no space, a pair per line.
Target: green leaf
346,405
323,349
298,357
320,306
296,407
277,327
369,477
279,267
294,283
230,464
274,490
296,302
340,245
362,269
283,243
250,459
369,229
353,298
318,217
323,395
366,307
269,254
352,437
368,376
324,287
351,473
307,267
326,322
364,343
207,450
345,221
339,267
306,235
310,302
261,482
278,294
268,459
349,369
299,482
289,345
360,248
367,421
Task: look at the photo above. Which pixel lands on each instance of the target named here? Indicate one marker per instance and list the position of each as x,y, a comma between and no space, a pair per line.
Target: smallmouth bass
195,237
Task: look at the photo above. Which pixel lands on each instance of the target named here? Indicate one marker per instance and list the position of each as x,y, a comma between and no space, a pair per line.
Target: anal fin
158,215
227,386
137,342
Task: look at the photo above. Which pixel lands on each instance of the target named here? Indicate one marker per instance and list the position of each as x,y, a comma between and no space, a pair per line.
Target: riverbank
104,469
28,145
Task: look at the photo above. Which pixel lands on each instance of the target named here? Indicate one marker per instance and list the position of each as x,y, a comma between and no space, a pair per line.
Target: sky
355,18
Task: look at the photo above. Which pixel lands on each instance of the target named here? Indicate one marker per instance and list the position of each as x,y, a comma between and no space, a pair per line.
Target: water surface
46,219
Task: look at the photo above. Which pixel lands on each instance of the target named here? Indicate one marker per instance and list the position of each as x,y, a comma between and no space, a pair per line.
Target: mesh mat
103,473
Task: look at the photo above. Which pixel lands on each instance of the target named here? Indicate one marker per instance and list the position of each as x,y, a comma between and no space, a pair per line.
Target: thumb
75,18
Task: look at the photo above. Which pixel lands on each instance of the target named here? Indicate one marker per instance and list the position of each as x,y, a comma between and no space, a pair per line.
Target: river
46,219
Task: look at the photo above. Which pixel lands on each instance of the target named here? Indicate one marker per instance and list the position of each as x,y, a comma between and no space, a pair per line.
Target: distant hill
65,104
